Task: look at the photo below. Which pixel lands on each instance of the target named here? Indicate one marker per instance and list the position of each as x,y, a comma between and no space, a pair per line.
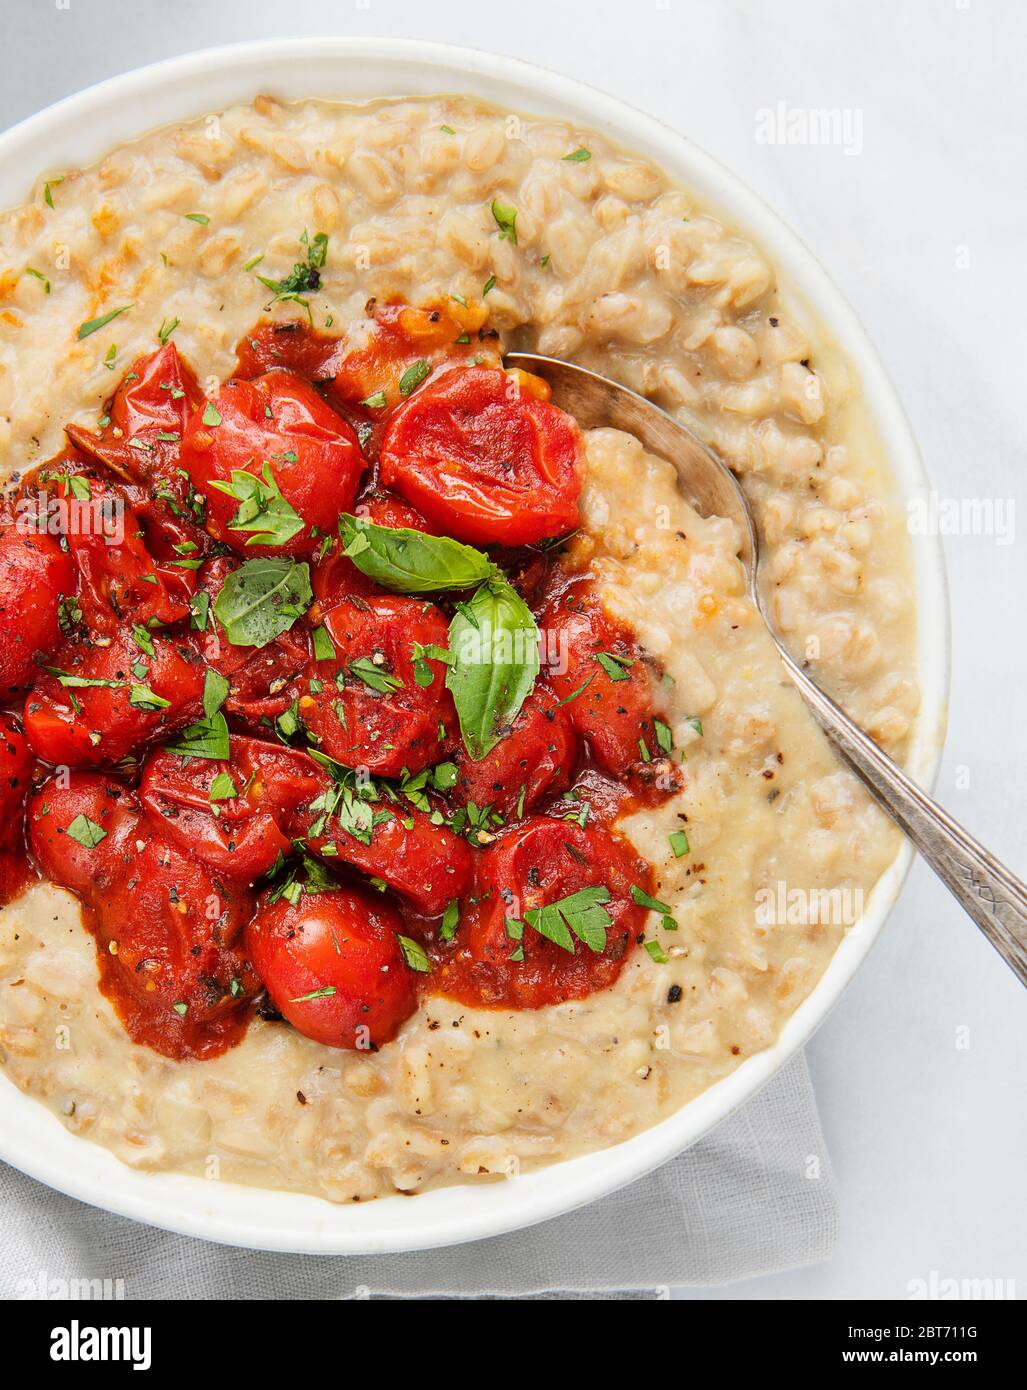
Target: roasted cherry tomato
534,758
34,575
366,706
120,582
240,834
146,419
109,701
167,927
426,864
600,665
334,576
259,677
485,460
15,774
372,360
333,966
532,866
278,423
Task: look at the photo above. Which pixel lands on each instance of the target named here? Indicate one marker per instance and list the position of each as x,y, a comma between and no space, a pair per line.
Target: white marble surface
925,229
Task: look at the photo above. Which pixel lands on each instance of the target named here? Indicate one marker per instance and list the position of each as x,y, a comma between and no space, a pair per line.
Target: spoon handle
993,896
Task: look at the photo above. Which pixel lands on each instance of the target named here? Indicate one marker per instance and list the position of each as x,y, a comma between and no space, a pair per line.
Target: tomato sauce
256,864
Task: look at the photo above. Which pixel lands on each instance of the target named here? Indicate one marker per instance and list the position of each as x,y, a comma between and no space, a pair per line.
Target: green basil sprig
262,599
493,642
412,562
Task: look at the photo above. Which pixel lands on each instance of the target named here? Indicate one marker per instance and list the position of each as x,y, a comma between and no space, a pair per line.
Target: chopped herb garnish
167,327
94,325
614,666
489,284
644,899
678,843
414,953
211,415
581,913
262,508
376,401
412,377
578,156
450,920
656,952
200,217
86,832
38,275
324,647
506,220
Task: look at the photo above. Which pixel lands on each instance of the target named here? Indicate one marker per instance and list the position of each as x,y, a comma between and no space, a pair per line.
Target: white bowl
80,130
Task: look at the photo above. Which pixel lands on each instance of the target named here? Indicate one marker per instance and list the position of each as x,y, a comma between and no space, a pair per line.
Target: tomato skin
532,865
384,732
343,941
34,573
167,928
335,577
537,755
424,863
153,401
485,460
313,454
60,734
613,715
246,836
119,581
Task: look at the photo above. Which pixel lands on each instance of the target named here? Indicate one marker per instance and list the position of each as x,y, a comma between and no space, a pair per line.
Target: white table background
925,230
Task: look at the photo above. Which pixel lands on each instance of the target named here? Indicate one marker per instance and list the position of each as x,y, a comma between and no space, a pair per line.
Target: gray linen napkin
754,1196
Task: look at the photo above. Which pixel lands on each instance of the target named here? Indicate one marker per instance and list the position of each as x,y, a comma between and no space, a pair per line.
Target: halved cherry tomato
111,714
485,460
146,418
279,421
612,704
239,835
366,706
167,928
34,574
15,774
426,864
335,577
535,757
532,866
333,966
120,582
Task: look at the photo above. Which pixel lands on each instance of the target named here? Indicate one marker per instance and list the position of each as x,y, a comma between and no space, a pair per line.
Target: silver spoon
993,896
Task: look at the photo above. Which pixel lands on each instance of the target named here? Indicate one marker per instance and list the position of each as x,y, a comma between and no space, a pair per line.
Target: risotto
283,234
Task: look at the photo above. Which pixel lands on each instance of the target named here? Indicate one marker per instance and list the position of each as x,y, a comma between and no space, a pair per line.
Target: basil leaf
207,738
223,788
86,832
262,510
414,953
262,599
215,692
412,562
413,376
493,641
